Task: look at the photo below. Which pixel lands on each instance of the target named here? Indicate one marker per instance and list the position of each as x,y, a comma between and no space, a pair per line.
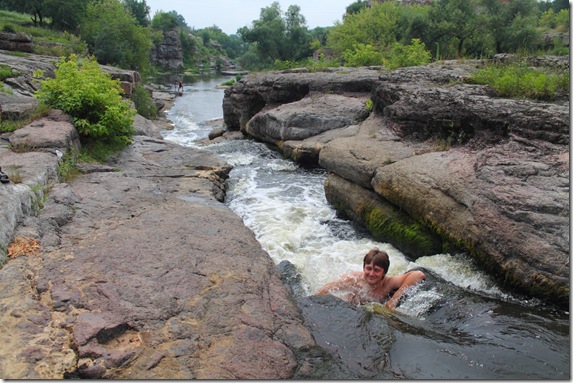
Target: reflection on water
456,325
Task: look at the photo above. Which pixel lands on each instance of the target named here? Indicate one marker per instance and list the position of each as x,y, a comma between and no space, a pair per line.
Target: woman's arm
402,282
344,282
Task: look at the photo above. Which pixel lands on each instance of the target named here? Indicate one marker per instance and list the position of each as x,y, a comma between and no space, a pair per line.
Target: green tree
64,14
297,35
114,36
375,26
275,36
233,45
139,10
452,25
511,25
363,55
356,7
166,20
267,34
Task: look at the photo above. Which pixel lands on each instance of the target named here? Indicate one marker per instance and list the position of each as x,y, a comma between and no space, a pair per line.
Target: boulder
52,132
253,93
16,107
20,42
307,118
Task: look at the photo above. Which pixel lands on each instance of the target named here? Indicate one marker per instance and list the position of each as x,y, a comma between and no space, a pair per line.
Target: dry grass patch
23,246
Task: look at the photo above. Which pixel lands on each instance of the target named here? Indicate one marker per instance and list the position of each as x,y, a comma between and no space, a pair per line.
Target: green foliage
408,55
8,28
167,20
81,89
6,71
309,63
143,101
277,36
369,105
67,168
139,10
363,55
520,81
356,7
375,26
114,36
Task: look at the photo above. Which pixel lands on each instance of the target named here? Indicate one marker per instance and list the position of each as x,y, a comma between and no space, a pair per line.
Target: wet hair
378,258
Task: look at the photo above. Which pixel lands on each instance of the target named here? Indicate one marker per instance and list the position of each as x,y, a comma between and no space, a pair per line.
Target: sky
230,15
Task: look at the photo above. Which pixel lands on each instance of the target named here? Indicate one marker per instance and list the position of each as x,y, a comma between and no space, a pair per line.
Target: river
459,325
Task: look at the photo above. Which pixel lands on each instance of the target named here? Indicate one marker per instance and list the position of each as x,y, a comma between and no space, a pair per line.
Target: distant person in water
180,89
372,284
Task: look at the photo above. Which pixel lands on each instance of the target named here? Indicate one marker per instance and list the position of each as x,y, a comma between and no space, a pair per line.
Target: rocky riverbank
435,165
133,269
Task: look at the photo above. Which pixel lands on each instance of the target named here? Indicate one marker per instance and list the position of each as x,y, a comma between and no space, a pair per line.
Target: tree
233,45
139,10
114,36
356,7
36,8
168,20
66,15
452,24
275,37
511,25
375,26
297,36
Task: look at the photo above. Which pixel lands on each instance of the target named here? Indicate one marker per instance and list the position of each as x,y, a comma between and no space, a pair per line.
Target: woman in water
372,284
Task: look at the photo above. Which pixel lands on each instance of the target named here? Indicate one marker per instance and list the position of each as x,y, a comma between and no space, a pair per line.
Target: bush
81,89
363,55
408,55
8,29
143,102
520,81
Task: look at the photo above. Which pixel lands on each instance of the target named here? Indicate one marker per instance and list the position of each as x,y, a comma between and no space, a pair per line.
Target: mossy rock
385,221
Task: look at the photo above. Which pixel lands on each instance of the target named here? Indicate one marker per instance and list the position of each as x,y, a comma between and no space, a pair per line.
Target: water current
460,325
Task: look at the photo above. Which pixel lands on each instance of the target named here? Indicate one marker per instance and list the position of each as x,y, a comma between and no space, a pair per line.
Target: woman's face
373,274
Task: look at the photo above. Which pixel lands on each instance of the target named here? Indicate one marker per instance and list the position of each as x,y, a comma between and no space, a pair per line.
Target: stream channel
458,324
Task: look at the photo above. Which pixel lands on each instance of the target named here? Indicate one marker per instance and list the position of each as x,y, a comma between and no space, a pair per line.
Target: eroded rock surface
144,273
484,174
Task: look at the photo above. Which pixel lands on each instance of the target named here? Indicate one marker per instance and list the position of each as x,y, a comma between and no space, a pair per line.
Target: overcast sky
230,15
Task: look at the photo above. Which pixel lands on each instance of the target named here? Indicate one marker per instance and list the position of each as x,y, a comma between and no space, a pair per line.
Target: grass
12,125
522,82
66,43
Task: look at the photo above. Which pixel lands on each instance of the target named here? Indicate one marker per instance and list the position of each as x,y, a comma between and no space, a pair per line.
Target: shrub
5,72
81,89
363,55
143,102
8,28
408,55
520,81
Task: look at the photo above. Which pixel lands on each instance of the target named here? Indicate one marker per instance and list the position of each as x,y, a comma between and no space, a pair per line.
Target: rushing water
461,325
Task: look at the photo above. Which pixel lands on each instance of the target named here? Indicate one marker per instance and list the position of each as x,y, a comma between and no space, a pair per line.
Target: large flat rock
145,274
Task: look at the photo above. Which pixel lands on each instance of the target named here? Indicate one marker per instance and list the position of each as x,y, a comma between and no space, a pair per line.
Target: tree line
121,32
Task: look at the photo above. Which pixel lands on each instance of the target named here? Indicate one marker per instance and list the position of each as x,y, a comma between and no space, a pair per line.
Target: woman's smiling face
373,274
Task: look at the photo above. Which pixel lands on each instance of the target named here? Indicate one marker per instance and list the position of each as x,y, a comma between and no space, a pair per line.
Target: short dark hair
379,257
